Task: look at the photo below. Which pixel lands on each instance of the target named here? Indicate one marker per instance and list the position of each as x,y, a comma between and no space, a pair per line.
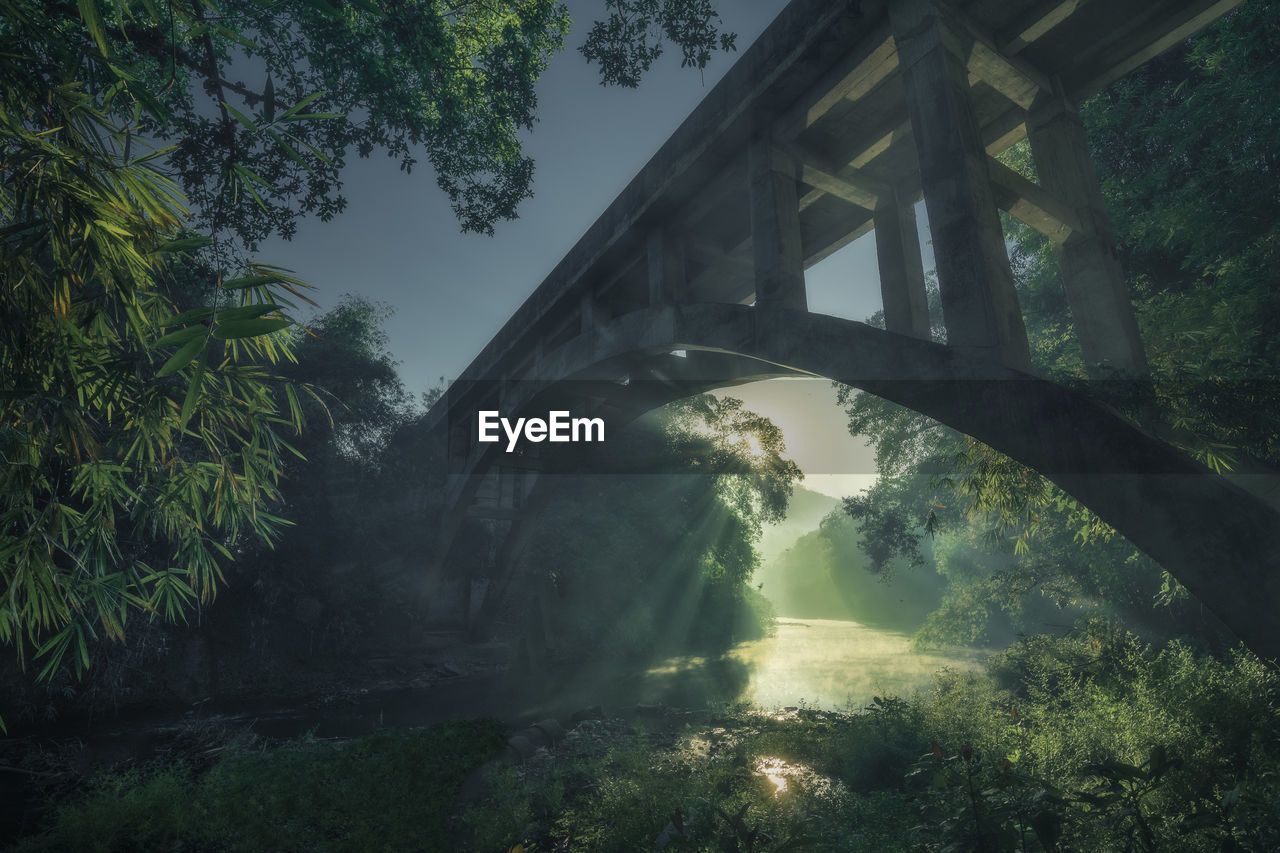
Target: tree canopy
143,419
645,563
263,102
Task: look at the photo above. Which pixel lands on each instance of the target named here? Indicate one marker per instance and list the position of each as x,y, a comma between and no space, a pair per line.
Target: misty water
820,663
836,665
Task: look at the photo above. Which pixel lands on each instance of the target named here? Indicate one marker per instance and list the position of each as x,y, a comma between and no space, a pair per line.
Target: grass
1093,742
392,791
1089,743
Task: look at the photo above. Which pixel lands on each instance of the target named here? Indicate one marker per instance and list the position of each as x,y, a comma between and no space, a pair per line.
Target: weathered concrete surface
979,304
825,77
1091,274
837,119
1219,541
902,291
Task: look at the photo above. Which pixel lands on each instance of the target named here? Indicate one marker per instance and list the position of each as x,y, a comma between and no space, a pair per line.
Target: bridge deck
835,121
824,82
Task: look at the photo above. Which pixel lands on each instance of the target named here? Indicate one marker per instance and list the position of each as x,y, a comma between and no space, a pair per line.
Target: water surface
836,665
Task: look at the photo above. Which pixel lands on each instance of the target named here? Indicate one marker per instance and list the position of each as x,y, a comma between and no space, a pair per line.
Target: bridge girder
834,123
1218,540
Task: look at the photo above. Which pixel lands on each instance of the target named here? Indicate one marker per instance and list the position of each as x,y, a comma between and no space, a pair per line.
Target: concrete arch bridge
840,117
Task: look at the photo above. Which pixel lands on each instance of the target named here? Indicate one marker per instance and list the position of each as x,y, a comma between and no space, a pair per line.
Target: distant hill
806,510
823,574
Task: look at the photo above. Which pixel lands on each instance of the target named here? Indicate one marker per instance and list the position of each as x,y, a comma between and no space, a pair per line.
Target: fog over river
838,665
820,663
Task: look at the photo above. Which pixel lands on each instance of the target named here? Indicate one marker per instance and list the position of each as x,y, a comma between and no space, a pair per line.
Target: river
837,666
818,663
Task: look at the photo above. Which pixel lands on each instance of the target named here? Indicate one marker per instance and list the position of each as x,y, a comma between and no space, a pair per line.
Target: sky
398,241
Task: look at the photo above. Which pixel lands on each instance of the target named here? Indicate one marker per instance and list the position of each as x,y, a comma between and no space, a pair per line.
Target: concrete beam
714,255
1034,26
1030,203
880,145
825,242
856,74
847,183
855,190
1010,76
1005,130
775,227
865,186
979,303
587,311
1091,273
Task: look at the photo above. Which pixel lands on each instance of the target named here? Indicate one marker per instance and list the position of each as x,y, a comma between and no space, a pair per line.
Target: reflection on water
823,663
775,770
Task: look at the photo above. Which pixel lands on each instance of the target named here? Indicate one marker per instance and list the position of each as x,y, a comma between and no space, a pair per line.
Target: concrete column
665,258
906,306
775,228
979,304
1091,273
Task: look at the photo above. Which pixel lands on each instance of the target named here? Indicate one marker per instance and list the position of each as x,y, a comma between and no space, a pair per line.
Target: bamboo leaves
140,426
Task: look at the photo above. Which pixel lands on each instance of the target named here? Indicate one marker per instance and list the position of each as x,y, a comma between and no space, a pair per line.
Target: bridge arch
1219,541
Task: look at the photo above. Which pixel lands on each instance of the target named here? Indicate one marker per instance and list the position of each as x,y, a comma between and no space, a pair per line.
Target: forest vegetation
147,416
163,414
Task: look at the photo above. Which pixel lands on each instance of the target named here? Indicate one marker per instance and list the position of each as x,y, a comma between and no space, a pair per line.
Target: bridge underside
1216,538
833,125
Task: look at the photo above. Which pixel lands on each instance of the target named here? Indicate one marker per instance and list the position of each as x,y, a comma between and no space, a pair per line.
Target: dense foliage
237,89
386,791
643,564
140,441
142,421
825,574
1185,149
1091,742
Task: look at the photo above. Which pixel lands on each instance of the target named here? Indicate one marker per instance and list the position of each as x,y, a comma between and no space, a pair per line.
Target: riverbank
1089,742
821,664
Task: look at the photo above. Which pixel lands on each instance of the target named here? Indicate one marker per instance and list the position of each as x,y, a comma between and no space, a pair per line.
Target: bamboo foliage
138,443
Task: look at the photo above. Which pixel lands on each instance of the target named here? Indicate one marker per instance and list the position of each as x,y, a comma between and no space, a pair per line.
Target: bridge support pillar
906,306
1091,273
979,304
775,228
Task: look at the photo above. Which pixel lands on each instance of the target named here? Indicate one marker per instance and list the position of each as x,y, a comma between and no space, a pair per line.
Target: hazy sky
398,241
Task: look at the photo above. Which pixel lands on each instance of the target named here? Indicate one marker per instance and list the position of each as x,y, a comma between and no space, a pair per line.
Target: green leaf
186,317
246,172
269,100
236,36
186,244
298,107
246,175
181,337
324,8
248,312
241,117
249,328
250,281
193,396
289,150
93,20
183,357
